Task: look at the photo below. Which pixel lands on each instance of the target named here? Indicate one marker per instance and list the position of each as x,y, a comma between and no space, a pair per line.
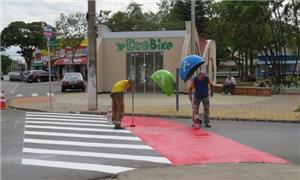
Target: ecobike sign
151,44
48,32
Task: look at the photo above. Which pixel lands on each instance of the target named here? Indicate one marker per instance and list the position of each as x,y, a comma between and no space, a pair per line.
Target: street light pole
193,23
49,71
92,63
48,33
193,11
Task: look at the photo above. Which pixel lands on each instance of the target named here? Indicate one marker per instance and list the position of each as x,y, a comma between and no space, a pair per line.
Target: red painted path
185,145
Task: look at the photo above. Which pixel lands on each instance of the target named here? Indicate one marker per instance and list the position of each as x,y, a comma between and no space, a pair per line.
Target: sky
49,10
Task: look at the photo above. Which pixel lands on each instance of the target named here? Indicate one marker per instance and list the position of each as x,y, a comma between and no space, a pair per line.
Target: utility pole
92,62
193,23
48,33
49,72
193,11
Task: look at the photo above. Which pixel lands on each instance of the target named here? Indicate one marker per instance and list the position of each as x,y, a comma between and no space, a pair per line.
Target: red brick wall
249,91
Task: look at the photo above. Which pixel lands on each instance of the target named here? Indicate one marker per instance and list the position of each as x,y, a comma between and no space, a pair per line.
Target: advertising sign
48,32
150,44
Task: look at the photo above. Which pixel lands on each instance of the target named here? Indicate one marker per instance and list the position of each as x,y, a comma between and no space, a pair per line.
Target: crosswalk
33,94
84,142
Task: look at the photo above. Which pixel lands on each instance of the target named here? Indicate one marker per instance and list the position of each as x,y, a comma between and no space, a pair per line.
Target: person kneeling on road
200,86
117,95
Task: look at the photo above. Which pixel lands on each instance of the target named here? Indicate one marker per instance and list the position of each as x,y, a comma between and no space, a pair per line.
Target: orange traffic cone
3,104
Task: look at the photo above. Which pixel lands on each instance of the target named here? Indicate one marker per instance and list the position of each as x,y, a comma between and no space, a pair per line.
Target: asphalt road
26,161
18,89
279,139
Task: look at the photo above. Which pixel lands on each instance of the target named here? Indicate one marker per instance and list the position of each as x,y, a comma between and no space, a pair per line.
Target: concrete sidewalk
273,108
238,171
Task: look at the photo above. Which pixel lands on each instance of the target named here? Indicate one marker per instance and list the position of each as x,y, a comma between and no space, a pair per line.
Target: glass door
158,64
140,66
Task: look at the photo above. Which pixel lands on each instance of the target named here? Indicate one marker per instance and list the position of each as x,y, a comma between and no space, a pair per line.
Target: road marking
77,129
70,117
78,166
65,123
183,145
98,155
86,150
40,133
34,94
14,89
19,95
69,120
87,144
48,94
68,114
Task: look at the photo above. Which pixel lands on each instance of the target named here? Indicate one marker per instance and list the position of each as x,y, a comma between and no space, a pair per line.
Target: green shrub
298,109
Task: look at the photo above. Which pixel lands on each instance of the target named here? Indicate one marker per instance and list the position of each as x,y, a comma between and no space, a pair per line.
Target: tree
250,28
5,64
167,17
182,9
281,33
133,19
291,15
71,30
27,36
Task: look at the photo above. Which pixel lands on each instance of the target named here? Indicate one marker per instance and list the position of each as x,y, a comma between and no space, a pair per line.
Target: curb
166,116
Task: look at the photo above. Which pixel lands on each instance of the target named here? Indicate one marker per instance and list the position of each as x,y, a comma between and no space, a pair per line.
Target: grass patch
298,109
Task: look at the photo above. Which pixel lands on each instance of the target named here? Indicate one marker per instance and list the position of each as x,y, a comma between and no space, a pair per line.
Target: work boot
199,121
118,126
207,124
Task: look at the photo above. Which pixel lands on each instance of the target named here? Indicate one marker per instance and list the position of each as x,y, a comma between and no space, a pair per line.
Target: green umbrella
165,80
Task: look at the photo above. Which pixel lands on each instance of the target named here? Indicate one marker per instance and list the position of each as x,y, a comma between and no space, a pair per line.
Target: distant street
18,89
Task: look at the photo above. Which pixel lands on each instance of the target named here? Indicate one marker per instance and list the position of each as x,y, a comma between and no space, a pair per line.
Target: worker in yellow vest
117,95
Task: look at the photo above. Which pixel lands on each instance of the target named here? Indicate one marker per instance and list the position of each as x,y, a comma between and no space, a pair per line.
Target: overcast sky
49,10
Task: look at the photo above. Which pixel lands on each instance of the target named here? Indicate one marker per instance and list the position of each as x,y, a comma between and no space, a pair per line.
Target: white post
193,23
49,71
193,11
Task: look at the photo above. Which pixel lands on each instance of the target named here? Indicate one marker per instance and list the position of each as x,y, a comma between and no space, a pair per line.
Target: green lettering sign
151,44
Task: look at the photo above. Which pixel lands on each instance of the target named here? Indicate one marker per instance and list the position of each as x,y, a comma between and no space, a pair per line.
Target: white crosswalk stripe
84,142
79,166
68,123
19,95
34,95
48,94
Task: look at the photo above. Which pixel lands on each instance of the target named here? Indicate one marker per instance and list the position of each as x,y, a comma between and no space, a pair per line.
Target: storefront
64,64
137,55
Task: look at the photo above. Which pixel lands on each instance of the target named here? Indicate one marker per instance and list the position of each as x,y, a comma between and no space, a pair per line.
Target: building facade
137,55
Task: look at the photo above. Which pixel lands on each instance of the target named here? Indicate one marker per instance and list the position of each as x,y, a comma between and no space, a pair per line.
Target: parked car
72,80
25,74
38,76
15,76
2,77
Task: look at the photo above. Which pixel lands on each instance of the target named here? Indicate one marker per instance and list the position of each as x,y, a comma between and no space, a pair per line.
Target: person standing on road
117,95
199,86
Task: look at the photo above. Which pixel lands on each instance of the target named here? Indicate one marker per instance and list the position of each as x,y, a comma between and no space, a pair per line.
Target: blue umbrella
189,65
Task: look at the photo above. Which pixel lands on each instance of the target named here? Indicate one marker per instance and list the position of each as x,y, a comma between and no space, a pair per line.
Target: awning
281,62
77,60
